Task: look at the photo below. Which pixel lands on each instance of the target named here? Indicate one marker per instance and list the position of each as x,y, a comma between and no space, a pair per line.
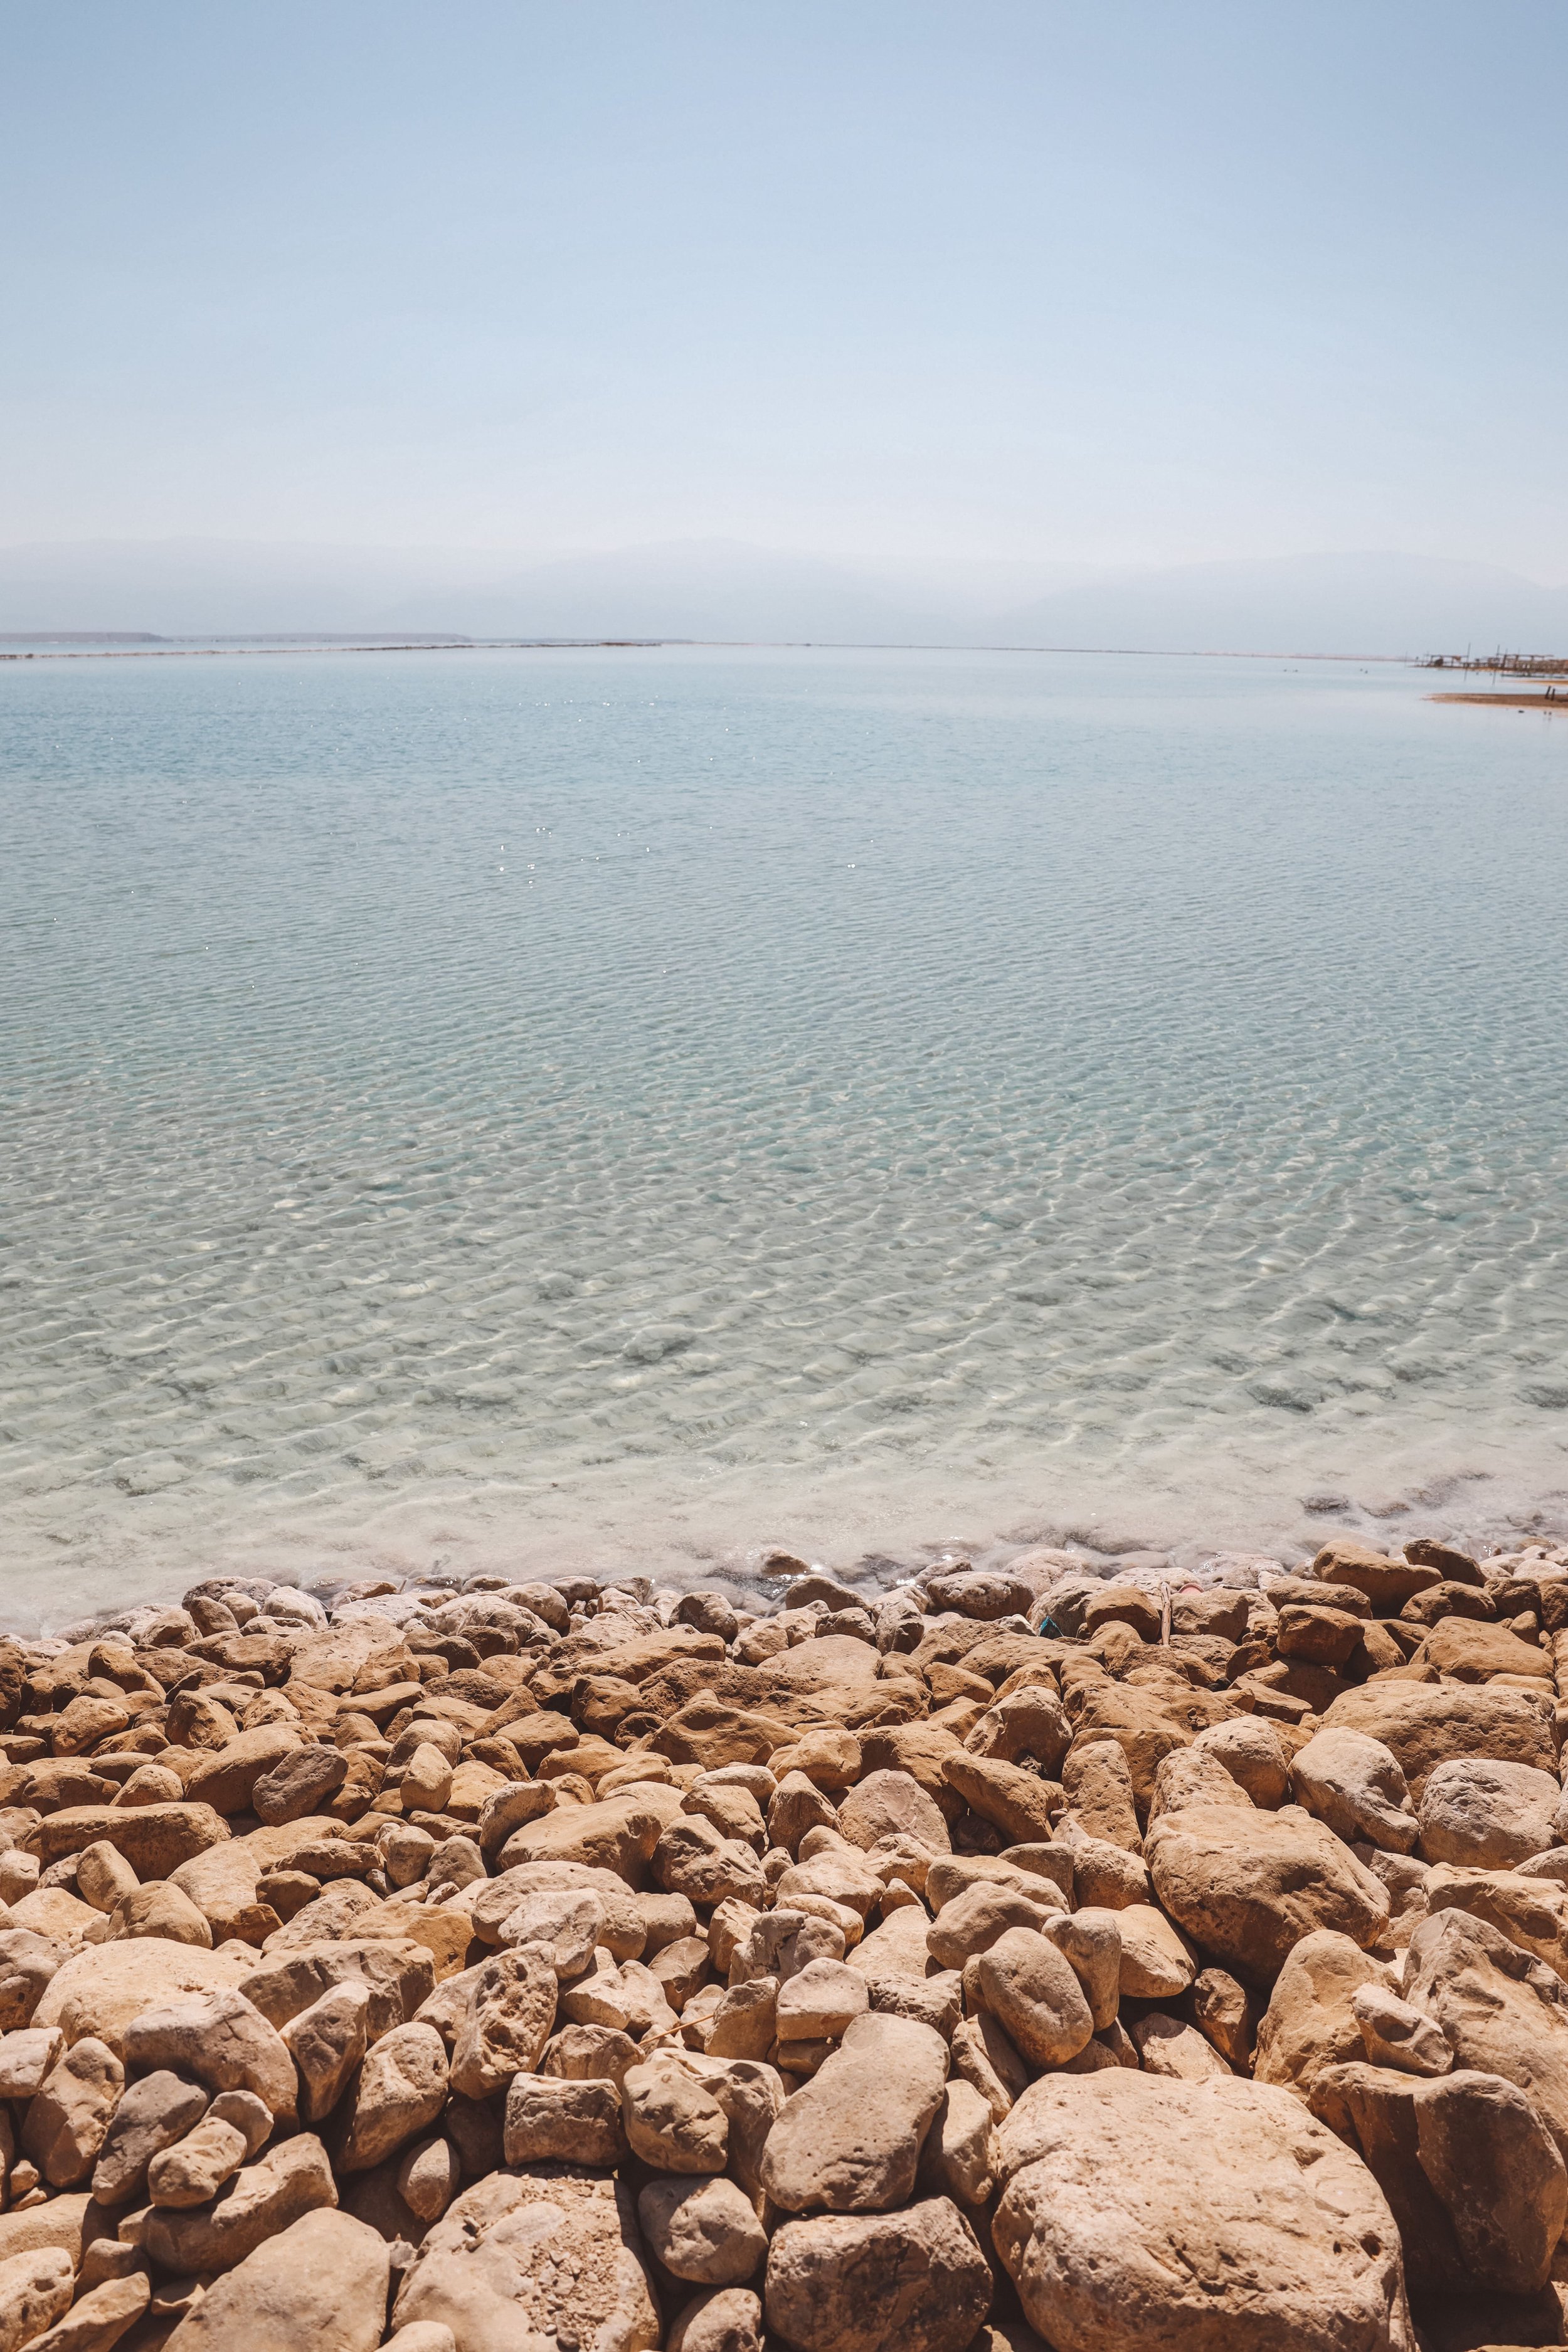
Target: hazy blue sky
1103,283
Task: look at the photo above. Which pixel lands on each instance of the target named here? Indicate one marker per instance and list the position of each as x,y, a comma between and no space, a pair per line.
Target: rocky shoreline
1016,1958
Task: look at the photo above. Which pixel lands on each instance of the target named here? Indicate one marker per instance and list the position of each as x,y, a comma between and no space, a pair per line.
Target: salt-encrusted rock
1425,1723
67,2121
1155,1961
1192,2215
1034,1993
849,2140
553,2255
509,2018
224,2040
155,2111
914,2281
35,2290
399,2090
552,2118
1312,2021
729,2321
1395,2033
1355,1784
1245,1885
1486,1815
320,2286
703,2230
261,2201
327,2042
1499,2010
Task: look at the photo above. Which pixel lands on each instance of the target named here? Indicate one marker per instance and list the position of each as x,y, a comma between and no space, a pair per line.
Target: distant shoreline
119,651
1507,701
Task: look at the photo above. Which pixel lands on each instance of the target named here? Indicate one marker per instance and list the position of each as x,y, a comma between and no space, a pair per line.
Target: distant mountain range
1366,604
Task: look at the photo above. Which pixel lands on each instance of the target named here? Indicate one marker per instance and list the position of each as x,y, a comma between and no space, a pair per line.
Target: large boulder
261,2201
1247,1885
154,1839
1500,2011
1201,2217
553,2254
1487,1815
318,2286
1473,1651
1310,2022
914,2281
1425,1723
849,2140
103,1990
1354,1785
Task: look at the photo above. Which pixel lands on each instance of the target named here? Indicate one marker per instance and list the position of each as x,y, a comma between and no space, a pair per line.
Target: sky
911,283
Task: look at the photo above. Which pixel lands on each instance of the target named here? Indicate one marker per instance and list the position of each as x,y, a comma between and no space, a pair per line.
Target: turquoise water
545,1108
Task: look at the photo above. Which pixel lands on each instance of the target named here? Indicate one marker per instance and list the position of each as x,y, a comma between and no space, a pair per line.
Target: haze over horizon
980,310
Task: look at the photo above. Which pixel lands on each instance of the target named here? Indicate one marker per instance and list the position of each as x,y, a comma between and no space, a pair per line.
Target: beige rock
1030,1722
1397,2035
729,2321
398,2092
1018,1803
589,2054
972,1922
525,2256
1179,2052
1224,2010
1034,1993
423,2335
1425,1723
67,2121
566,1923
97,2321
25,2057
397,1977
195,2169
1191,1776
1247,1885
35,2290
260,2202
630,1999
327,2042
102,1990
820,2001
914,2281
849,2140
1109,1876
1486,1815
50,1911
221,2039
673,2122
224,1777
154,1839
1530,1912
623,1931
1097,1781
1311,2022
1255,1756
891,1803
510,2016
1156,1962
426,1781
103,1876
1090,1942
982,2055
1500,2011
320,2286
1490,2159
28,1967
300,1783
155,2111
798,1805
160,1910
779,1943
1354,1785
745,2022
222,1883
955,2160
1194,2215
67,2221
552,2119
619,1835
896,1948
695,1859
703,2230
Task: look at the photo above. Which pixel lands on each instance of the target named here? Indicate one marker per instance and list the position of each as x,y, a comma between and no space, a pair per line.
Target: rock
914,2281
1354,1785
589,2054
1090,1943
1395,2035
223,2040
1097,1781
398,2092
426,1781
695,1859
67,2121
510,2017
104,1989
428,2177
1179,2052
704,2230
973,1921
260,2202
397,1978
1500,2011
1472,1652
25,2057
820,2001
164,1910
1114,2233
35,2290
1191,1776
320,2286
1532,1913
729,2321
327,2042
28,1964
1496,2167
225,1779
1486,1815
982,2055
1387,1583
67,2221
551,2118
849,2140
1247,1885
223,1885
798,1805
1154,1963
956,2160
745,2022
618,1835
1016,1801
154,1839
103,1876
673,2122
553,2255
97,2321
1312,2021
195,2169
1425,1724
1109,1876
155,2111
1033,1994
301,1782
892,1804
779,1943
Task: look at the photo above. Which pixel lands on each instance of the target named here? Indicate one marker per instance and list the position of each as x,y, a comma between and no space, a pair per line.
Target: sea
532,1110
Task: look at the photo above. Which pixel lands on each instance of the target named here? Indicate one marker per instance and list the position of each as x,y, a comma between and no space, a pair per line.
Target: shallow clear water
546,1108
